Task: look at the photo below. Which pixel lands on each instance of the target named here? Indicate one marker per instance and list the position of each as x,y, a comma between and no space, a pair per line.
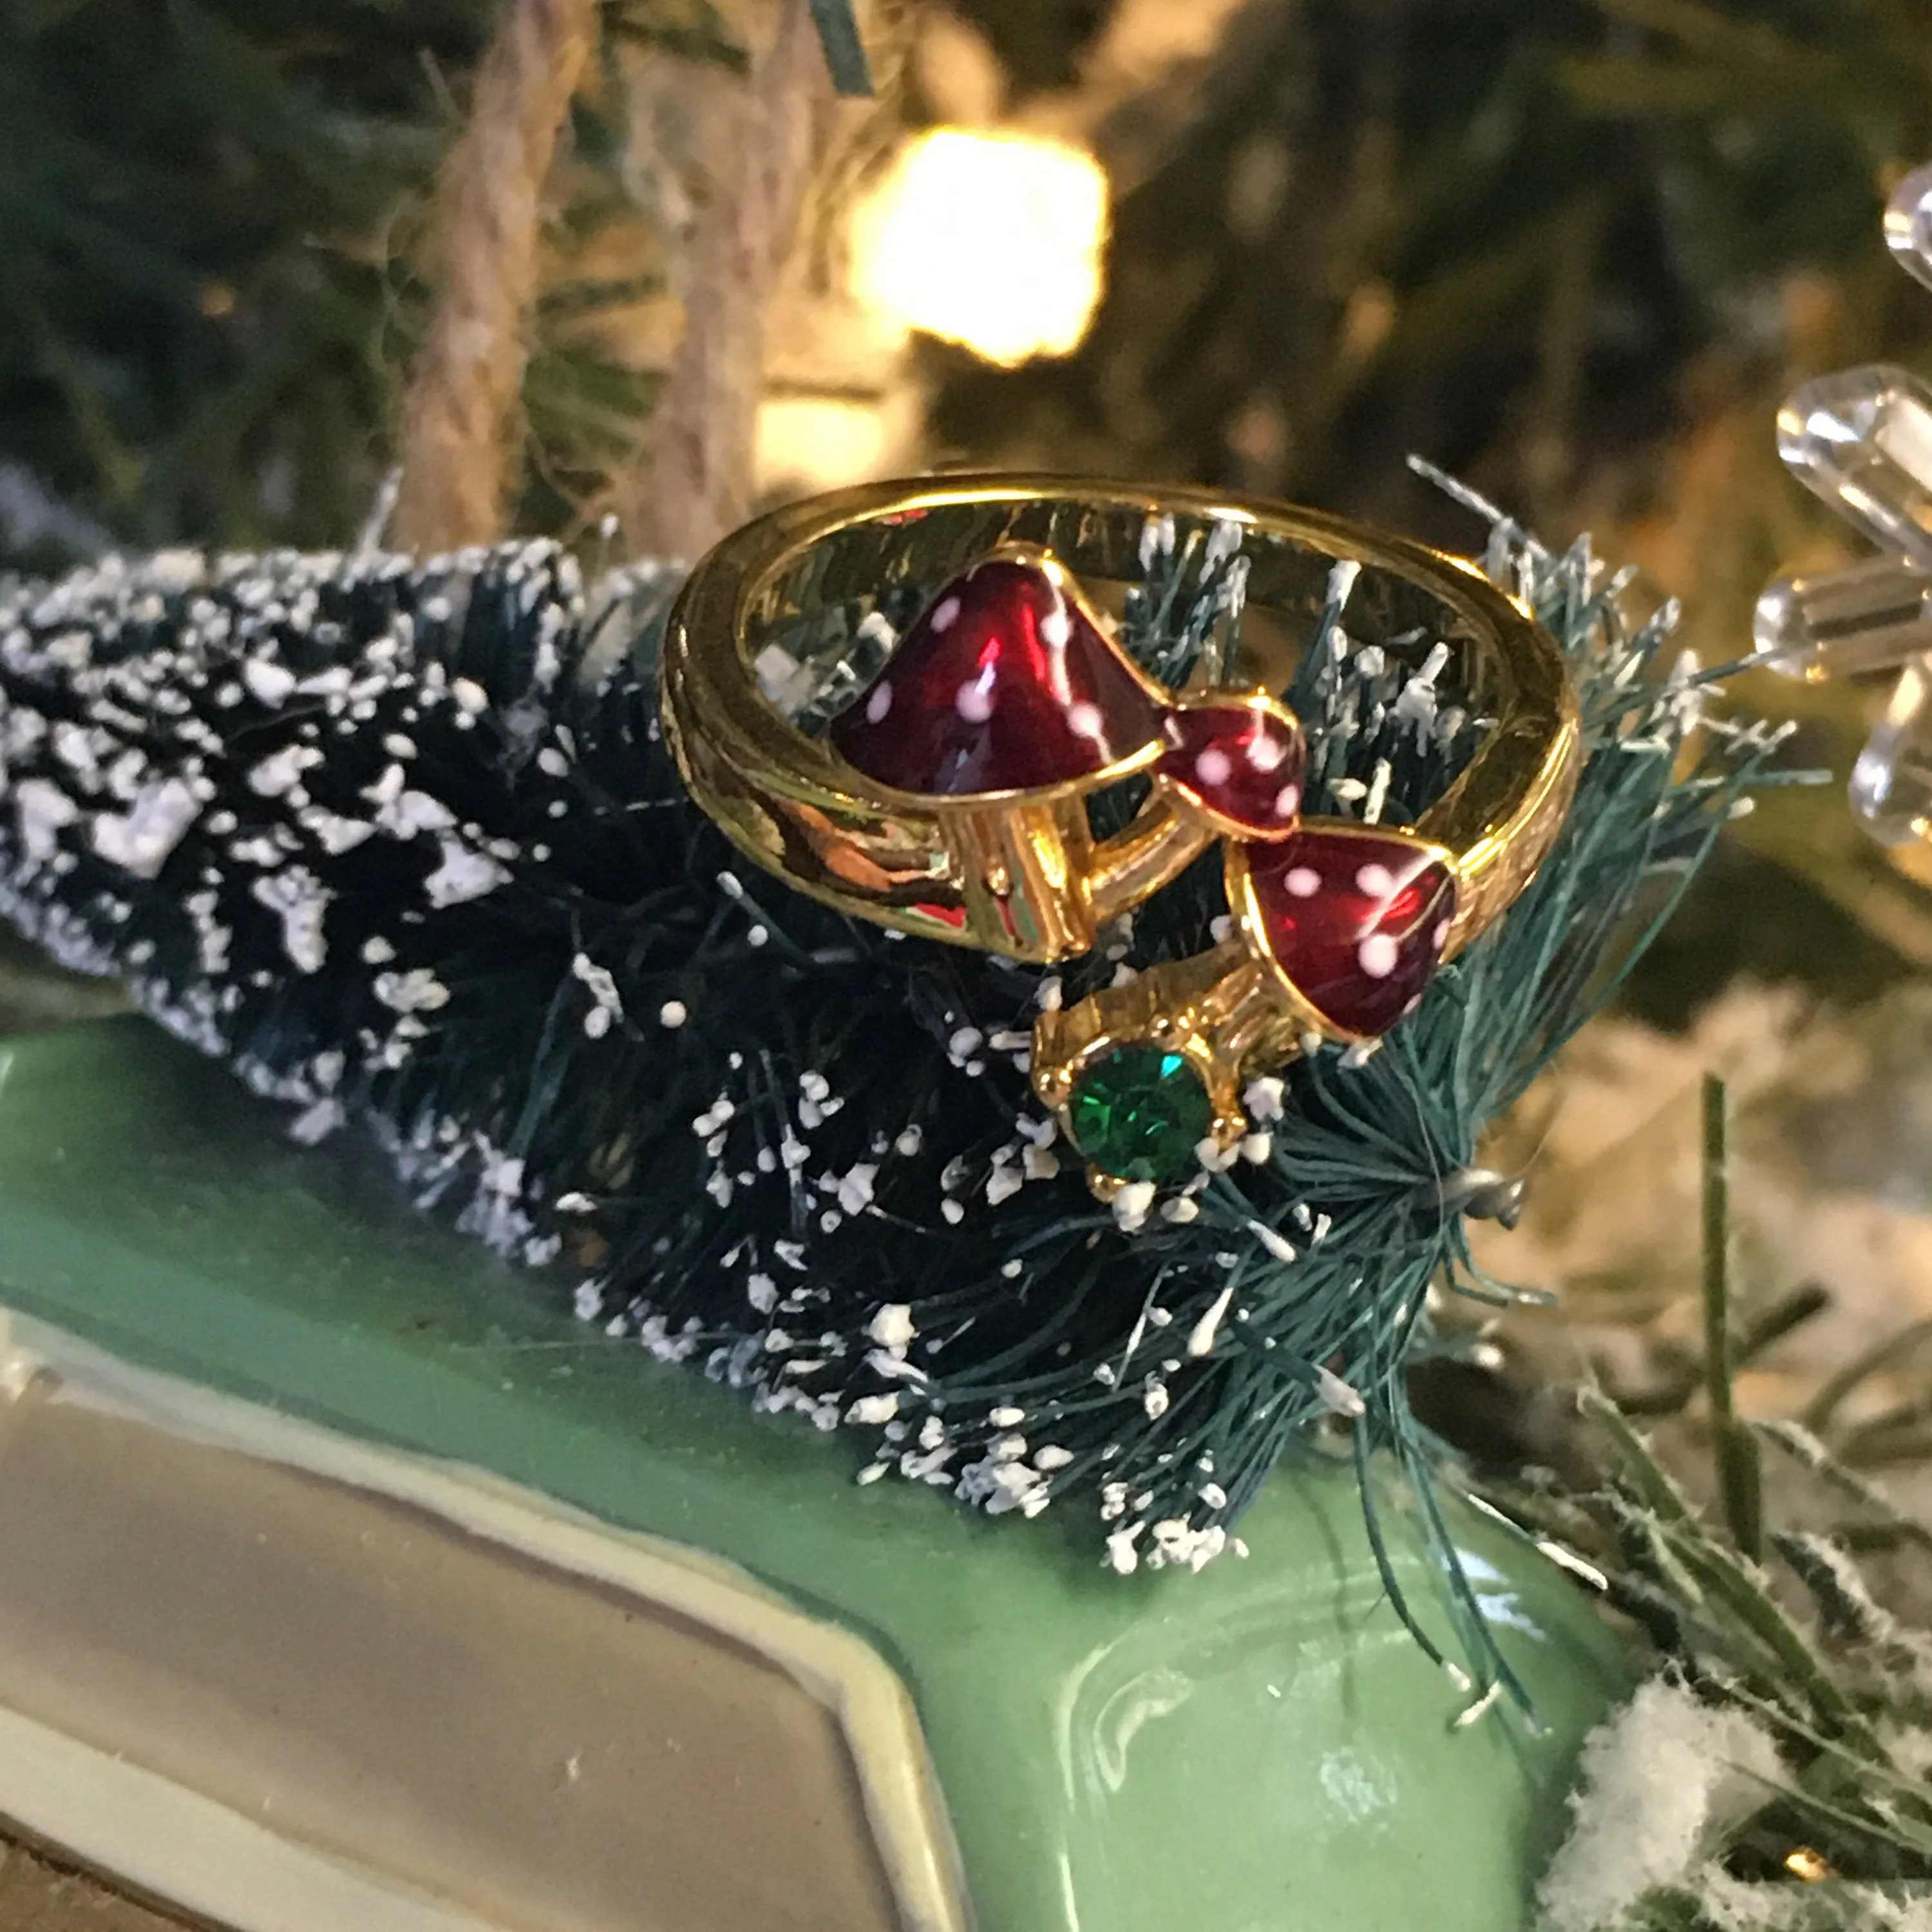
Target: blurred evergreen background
1574,251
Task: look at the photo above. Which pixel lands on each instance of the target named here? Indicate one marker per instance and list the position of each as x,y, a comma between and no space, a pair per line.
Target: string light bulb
992,240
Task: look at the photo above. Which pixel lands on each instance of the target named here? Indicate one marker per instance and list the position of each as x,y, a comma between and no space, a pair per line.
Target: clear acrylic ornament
1891,782
1861,439
1873,616
1908,224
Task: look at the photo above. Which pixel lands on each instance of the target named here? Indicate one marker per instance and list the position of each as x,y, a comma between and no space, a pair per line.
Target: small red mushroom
1240,760
1356,919
1004,682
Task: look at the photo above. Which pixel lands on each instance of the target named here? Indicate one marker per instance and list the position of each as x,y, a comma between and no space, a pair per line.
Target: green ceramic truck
342,1584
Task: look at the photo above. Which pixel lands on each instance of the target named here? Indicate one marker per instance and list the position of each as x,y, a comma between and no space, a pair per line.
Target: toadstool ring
948,799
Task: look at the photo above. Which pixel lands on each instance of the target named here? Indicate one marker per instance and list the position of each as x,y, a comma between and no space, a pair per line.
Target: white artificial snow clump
606,1009
1201,1342
892,1326
1338,1397
139,839
1661,1782
42,808
300,899
1131,1205
463,874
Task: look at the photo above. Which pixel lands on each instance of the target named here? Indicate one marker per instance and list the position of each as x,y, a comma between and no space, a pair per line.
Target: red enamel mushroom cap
1356,919
1003,682
1240,760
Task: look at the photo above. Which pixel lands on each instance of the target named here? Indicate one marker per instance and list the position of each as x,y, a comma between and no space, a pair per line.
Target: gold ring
926,758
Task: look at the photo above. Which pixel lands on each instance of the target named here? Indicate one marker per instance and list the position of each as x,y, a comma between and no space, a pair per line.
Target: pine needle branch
1739,1480
1833,1684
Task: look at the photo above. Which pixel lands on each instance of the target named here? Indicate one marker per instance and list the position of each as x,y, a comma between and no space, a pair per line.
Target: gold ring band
1016,868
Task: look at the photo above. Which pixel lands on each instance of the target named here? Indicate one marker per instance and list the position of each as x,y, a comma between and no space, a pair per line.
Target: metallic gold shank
1498,820
1165,838
1019,875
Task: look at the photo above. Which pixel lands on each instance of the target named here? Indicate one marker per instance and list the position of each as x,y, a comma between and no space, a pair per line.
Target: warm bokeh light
807,443
994,241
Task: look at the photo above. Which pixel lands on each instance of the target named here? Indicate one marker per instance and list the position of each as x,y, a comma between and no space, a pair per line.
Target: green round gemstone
1139,1113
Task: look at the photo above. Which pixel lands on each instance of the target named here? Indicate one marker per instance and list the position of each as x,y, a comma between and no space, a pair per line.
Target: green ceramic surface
1259,1748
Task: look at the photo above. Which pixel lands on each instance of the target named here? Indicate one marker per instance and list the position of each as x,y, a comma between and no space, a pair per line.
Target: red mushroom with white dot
1004,682
1238,759
1004,706
1354,918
